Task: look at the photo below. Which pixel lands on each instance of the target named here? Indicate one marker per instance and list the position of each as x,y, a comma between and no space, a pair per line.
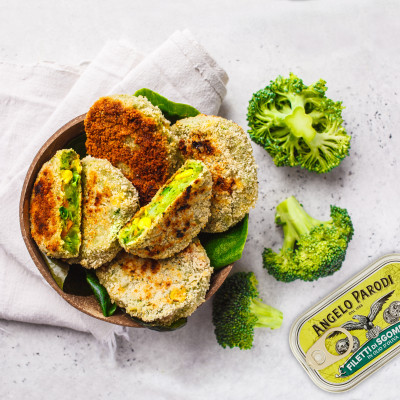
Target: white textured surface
354,45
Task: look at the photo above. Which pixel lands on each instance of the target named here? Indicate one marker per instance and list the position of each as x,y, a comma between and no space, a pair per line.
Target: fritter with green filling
55,207
109,202
174,217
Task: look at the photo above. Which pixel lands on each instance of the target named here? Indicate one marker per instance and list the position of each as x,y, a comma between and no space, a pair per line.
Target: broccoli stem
300,124
267,316
295,221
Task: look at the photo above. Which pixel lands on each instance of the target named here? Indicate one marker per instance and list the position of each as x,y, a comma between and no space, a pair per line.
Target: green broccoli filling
69,212
183,178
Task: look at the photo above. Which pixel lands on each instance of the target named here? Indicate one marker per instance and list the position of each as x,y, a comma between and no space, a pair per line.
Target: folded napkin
37,100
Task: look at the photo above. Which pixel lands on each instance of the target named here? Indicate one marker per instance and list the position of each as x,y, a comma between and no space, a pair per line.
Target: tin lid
367,307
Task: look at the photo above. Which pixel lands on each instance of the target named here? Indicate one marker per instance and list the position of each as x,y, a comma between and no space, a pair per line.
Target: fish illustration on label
366,322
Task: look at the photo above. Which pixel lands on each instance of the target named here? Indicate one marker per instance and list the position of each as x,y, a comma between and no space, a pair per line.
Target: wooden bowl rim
85,304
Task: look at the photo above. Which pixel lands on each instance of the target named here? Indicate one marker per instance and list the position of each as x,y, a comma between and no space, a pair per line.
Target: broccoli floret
311,249
237,310
298,124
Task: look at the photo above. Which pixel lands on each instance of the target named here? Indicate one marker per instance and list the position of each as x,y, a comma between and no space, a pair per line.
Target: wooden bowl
86,304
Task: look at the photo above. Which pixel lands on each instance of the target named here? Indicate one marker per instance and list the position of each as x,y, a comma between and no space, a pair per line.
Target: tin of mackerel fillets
367,309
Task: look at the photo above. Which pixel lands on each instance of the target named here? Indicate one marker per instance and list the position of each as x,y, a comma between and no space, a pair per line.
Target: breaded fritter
174,217
109,201
135,137
55,207
160,291
226,150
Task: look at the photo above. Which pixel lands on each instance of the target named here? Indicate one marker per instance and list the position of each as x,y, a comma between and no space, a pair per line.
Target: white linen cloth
37,100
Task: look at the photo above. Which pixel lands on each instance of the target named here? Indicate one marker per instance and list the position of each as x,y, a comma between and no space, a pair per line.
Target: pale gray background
354,45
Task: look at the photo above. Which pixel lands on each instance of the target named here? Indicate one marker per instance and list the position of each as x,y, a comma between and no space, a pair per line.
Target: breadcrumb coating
160,291
226,150
134,136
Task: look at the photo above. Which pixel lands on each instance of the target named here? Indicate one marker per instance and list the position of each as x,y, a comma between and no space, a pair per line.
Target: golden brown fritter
226,150
173,220
45,223
134,136
159,291
48,228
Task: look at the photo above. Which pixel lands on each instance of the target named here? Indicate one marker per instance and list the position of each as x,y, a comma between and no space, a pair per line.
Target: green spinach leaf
58,270
172,111
101,294
160,328
226,247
